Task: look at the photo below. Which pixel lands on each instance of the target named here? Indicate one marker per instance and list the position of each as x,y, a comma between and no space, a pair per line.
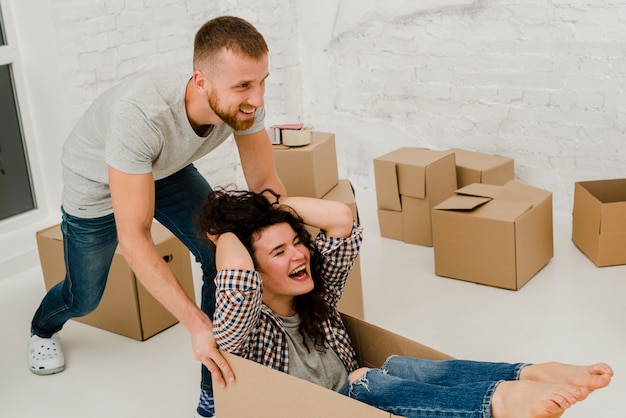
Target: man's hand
205,350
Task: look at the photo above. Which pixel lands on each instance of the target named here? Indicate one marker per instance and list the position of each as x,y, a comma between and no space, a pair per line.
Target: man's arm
257,161
133,204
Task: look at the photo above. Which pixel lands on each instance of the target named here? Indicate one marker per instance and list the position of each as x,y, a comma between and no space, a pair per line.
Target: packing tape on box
296,137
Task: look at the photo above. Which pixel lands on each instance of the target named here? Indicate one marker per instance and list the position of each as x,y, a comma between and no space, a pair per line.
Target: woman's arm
238,295
230,253
334,218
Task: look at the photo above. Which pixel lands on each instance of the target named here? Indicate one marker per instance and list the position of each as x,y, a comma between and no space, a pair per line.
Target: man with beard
130,159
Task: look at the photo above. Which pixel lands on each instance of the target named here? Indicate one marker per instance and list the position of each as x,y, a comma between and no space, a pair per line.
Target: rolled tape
296,138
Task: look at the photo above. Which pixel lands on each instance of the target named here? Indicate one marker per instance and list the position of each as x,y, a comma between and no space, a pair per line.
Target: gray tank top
324,369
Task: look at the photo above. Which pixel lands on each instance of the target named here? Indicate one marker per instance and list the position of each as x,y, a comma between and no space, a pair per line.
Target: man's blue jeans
90,243
418,388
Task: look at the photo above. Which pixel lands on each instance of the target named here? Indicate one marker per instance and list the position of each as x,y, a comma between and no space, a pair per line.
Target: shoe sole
44,372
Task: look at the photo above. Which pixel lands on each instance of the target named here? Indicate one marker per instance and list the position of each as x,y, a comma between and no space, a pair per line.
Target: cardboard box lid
160,234
411,164
479,161
504,204
476,167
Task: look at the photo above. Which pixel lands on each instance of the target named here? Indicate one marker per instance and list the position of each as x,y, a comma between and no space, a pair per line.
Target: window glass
16,193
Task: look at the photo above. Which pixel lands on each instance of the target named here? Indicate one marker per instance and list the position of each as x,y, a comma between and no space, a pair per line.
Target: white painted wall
541,81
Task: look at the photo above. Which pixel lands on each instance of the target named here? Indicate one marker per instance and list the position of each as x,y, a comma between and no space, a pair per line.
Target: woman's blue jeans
90,243
418,388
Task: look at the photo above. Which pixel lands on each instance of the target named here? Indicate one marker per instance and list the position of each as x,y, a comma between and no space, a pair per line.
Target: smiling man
129,160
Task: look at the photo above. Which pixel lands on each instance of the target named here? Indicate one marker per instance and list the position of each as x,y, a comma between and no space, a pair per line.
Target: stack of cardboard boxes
484,226
311,171
409,183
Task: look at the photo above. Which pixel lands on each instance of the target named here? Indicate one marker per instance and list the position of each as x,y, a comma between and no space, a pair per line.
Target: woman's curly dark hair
246,214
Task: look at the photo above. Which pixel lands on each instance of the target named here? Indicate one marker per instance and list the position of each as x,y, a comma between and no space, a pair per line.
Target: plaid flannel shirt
244,326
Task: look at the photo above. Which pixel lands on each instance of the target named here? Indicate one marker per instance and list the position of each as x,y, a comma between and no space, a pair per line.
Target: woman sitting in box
277,293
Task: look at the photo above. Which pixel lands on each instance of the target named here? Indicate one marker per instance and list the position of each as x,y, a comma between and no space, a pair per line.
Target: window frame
23,40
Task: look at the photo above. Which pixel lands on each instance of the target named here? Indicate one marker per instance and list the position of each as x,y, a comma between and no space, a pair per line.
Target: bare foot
591,377
531,399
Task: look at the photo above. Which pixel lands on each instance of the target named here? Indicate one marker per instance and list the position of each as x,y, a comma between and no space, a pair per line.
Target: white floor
570,311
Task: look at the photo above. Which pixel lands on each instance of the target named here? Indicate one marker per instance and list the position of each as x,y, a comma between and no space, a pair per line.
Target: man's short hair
227,32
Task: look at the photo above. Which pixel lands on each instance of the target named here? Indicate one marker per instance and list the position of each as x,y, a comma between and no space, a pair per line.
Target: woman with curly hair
277,294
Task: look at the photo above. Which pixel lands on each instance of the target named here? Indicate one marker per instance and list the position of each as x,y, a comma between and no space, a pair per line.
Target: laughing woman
277,294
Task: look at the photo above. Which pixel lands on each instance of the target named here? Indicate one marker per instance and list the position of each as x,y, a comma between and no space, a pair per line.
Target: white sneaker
45,355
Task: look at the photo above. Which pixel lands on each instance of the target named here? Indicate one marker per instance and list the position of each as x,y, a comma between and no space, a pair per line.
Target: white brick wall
539,81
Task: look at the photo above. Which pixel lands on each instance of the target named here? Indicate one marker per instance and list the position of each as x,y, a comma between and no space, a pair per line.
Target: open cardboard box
499,236
599,221
260,391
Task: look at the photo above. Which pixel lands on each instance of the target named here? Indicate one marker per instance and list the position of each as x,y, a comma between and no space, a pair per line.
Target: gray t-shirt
325,369
139,126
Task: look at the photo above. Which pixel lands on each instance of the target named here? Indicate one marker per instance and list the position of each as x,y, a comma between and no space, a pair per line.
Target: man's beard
230,116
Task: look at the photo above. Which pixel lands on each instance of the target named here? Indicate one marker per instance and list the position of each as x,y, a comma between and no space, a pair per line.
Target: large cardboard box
599,221
126,307
310,170
259,391
351,302
476,167
409,183
499,236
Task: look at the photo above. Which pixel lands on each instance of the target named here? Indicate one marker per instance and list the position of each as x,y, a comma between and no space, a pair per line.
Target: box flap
411,164
613,217
531,193
477,160
503,210
386,183
606,191
461,202
499,210
374,344
260,391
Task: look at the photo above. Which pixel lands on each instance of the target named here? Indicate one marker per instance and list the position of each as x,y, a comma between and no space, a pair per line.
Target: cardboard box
351,302
260,391
310,170
599,221
476,167
126,307
410,182
499,236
